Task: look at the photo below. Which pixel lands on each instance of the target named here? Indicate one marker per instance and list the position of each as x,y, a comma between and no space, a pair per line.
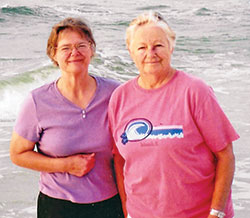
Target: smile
74,61
151,62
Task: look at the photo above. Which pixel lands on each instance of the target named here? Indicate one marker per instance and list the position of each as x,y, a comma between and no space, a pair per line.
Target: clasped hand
80,164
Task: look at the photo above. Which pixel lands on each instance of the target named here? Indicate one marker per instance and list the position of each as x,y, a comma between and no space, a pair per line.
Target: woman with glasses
173,154
66,121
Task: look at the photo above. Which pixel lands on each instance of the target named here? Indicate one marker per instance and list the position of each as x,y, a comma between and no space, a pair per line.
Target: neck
74,83
154,81
78,89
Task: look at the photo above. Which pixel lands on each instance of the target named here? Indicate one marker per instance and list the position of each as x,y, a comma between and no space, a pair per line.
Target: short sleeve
213,124
27,124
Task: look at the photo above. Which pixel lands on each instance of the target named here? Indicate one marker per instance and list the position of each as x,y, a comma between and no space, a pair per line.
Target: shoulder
43,93
107,83
192,83
199,95
124,93
190,80
42,89
125,87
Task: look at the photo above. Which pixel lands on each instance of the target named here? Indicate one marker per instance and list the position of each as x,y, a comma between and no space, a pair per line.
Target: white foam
29,210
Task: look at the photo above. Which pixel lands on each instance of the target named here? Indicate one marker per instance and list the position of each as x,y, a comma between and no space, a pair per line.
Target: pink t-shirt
167,137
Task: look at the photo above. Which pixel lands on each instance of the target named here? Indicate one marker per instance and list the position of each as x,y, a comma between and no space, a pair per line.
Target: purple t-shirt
60,129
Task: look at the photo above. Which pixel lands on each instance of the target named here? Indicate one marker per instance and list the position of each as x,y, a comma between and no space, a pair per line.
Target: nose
151,52
74,50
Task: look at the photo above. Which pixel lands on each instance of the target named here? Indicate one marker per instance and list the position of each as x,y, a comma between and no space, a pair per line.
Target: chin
76,70
153,71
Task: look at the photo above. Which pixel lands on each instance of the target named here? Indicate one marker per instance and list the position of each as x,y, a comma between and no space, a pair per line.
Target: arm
22,154
119,163
223,179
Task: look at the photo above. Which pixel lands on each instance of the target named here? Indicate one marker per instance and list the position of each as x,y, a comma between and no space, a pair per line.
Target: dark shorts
48,207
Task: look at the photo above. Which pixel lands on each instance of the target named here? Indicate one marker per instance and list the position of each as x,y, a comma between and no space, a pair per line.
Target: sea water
213,43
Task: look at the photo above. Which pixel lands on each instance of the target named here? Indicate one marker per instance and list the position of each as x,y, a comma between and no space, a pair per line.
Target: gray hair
150,17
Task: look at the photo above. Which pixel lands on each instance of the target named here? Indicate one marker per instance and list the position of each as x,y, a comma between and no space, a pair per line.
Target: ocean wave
20,10
155,7
79,10
241,184
203,12
36,11
14,89
28,77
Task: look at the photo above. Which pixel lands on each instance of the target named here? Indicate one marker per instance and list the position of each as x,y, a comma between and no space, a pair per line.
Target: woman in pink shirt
67,122
173,153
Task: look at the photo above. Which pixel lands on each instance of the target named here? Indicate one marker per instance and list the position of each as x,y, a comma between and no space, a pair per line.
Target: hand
80,164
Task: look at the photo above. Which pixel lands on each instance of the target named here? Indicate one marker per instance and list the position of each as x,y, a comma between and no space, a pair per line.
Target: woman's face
73,53
150,50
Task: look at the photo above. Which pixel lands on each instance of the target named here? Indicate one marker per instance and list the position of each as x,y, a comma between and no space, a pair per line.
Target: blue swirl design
139,129
136,130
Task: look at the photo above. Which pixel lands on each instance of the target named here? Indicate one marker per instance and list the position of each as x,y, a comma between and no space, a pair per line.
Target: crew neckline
136,85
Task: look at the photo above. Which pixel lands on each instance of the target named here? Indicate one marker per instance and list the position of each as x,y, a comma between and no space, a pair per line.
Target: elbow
14,157
14,154
19,147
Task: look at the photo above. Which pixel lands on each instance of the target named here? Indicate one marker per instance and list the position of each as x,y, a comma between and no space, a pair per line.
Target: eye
158,45
65,48
141,48
82,46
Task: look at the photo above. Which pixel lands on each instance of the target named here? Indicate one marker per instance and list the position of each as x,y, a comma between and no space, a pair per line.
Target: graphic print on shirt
140,129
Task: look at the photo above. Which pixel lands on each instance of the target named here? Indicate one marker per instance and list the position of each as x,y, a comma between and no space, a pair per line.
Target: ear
128,44
130,51
131,54
54,56
92,52
55,60
172,50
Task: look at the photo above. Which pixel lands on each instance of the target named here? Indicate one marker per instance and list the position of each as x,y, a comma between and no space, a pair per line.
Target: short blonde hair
146,18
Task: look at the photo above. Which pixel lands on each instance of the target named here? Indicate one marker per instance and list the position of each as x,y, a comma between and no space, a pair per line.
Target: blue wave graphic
166,131
140,129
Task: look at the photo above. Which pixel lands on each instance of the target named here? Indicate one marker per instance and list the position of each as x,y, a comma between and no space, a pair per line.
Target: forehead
149,33
70,36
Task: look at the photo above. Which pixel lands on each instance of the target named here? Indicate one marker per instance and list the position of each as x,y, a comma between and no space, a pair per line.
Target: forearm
22,154
119,163
39,162
224,176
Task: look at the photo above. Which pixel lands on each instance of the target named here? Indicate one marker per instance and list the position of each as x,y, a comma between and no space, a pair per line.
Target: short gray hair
150,17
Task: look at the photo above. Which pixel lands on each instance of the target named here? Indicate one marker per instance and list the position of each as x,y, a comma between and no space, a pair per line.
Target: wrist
218,213
63,165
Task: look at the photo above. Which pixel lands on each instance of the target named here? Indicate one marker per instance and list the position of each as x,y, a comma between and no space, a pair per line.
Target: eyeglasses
67,49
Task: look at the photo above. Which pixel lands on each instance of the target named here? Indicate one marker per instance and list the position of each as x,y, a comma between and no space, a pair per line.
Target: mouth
152,62
75,61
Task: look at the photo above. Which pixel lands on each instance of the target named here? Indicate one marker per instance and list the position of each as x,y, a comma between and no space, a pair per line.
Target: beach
213,39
